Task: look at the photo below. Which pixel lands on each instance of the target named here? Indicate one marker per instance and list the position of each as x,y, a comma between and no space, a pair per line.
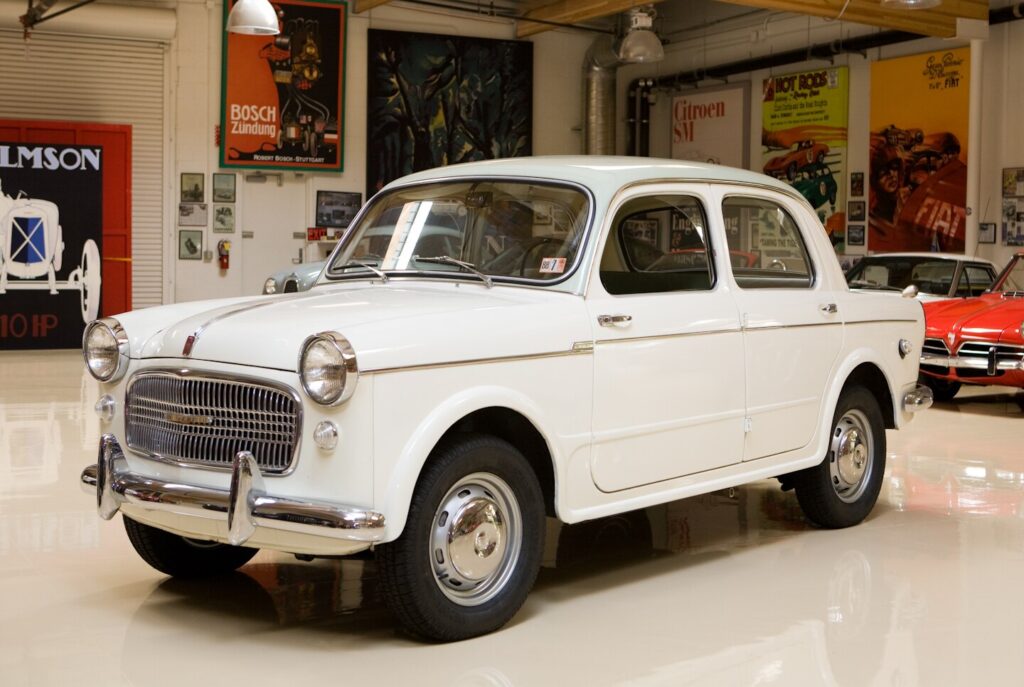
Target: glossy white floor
726,589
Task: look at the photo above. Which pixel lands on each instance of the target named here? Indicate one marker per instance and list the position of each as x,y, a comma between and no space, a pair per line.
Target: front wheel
843,488
472,544
181,557
942,390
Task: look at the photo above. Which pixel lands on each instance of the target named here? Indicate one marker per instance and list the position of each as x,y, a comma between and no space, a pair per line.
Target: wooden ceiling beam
360,6
571,12
940,21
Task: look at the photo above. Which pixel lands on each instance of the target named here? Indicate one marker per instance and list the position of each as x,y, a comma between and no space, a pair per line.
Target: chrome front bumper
246,506
920,398
971,362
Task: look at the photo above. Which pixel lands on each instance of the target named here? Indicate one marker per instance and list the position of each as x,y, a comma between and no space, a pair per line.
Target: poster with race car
917,188
51,219
710,125
281,96
803,140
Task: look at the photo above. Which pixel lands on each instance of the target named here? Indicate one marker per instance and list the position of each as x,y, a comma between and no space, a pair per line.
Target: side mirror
910,292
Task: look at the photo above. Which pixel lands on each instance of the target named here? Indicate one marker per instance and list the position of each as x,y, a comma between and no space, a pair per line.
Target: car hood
989,317
399,324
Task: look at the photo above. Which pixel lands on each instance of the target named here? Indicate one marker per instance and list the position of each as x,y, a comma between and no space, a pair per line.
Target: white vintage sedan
593,348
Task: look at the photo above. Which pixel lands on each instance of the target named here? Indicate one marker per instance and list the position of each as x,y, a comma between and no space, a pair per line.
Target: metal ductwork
599,68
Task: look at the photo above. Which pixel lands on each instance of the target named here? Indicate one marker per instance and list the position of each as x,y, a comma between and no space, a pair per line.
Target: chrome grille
935,347
980,349
207,420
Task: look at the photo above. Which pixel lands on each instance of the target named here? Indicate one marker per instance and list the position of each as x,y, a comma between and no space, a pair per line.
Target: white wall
558,57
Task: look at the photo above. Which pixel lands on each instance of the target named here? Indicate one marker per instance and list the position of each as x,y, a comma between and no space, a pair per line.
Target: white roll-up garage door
106,80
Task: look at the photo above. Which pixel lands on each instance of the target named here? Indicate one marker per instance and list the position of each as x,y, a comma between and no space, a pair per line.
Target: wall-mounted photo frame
857,211
857,184
190,244
192,214
193,187
1013,182
855,234
223,218
223,188
337,208
987,232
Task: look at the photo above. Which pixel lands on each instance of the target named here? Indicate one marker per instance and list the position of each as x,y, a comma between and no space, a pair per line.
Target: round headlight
327,368
105,348
270,286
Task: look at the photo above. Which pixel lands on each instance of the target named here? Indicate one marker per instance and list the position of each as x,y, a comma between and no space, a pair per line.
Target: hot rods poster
803,140
918,177
51,211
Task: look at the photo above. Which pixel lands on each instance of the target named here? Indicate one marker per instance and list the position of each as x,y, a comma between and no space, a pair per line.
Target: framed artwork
282,96
857,211
541,213
193,187
1013,182
223,188
337,208
192,214
223,218
857,184
855,234
190,244
987,232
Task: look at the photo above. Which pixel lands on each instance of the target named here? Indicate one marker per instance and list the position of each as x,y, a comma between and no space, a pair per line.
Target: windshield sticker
552,265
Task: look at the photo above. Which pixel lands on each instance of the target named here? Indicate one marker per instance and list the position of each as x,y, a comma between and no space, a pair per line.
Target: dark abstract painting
440,100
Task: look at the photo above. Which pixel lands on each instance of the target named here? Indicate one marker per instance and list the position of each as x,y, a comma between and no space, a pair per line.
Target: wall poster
710,125
803,140
918,176
51,219
438,100
281,96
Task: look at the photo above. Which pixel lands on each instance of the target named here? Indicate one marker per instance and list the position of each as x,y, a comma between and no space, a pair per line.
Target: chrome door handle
614,320
830,308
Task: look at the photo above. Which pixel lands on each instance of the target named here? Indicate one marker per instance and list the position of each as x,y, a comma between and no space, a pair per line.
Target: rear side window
765,231
658,244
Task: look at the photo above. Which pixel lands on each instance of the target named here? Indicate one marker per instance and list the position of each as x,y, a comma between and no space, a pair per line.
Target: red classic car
976,340
804,154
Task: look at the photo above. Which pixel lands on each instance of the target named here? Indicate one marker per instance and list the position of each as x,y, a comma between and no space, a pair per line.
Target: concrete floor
724,589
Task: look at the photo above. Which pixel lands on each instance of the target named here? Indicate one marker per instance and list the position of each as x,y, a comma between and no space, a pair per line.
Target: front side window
657,244
895,273
767,233
514,230
974,281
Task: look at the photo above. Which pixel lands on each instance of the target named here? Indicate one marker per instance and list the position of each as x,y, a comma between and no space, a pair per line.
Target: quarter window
658,244
974,281
769,238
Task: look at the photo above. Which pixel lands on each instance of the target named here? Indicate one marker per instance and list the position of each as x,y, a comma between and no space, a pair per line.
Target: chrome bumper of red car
991,363
246,506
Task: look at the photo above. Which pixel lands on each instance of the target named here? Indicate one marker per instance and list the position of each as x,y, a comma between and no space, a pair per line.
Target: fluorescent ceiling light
910,4
253,17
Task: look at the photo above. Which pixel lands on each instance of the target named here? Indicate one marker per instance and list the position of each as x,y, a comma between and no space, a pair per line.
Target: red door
116,140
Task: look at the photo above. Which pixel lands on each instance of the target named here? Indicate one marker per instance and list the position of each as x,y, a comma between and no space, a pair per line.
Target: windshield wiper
449,260
358,263
874,285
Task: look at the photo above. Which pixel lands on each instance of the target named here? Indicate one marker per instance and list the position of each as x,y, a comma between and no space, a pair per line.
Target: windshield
1012,279
896,273
473,229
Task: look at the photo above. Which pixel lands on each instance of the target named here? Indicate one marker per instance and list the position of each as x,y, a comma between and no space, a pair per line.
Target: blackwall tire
472,543
184,558
843,488
942,390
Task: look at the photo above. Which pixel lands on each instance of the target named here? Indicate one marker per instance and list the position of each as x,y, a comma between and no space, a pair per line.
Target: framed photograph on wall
855,234
857,184
223,218
857,210
223,188
192,214
337,208
193,187
190,244
987,232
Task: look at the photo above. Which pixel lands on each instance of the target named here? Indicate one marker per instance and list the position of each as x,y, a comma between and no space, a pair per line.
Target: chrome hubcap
850,459
476,538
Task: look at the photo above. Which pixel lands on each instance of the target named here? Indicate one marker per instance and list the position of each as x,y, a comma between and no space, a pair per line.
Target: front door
668,351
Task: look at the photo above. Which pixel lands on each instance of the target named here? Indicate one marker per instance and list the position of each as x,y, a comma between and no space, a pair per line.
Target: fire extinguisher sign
281,104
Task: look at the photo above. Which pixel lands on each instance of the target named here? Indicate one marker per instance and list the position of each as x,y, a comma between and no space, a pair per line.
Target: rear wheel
472,544
843,488
179,556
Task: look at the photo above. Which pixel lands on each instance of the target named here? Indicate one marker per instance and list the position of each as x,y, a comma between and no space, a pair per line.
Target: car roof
923,254
600,173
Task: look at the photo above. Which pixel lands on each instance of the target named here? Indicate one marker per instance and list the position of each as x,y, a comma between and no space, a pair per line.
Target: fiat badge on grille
183,419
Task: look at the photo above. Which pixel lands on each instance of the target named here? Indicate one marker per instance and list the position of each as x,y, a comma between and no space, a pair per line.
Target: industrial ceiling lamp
641,44
253,17
909,4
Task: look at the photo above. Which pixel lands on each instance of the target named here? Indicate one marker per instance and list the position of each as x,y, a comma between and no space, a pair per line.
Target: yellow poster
803,140
918,175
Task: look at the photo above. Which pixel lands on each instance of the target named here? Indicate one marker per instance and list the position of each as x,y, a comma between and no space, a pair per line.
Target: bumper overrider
246,506
919,398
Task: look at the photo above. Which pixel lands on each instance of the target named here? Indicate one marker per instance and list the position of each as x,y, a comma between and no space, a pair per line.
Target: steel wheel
850,459
476,539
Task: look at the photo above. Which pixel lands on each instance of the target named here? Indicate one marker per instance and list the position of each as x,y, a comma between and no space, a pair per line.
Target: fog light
326,435
105,407
905,348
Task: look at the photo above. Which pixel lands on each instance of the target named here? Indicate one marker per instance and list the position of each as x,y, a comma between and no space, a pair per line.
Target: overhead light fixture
640,43
253,18
910,4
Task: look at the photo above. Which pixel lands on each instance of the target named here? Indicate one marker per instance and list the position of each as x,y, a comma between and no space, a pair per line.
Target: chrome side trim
576,349
880,321
921,398
245,504
766,327
657,337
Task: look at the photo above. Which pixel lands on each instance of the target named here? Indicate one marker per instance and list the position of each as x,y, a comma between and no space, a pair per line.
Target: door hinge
748,425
